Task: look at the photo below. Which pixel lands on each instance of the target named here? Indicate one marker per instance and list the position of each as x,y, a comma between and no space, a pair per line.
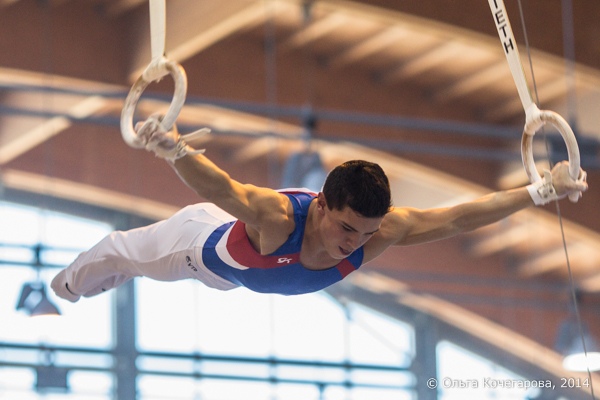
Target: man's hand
558,184
564,184
166,144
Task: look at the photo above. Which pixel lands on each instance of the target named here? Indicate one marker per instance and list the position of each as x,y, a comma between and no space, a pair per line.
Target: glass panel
173,388
295,392
63,231
196,318
212,389
151,387
309,327
26,218
16,254
380,394
462,373
19,383
298,333
90,385
86,324
380,339
16,382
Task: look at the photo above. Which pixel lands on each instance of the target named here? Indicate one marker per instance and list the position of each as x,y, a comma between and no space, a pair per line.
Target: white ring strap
158,15
535,118
156,70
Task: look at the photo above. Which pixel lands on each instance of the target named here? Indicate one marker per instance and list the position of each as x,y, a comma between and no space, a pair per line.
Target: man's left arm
407,226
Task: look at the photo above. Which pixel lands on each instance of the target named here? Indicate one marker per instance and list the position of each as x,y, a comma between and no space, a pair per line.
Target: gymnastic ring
535,120
154,72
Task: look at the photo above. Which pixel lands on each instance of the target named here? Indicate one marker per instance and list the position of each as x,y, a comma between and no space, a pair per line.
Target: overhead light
34,301
570,343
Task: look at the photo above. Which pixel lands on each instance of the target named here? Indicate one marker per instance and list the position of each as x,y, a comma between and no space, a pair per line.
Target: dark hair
361,185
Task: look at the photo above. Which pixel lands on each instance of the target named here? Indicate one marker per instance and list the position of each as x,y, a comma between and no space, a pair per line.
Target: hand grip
156,70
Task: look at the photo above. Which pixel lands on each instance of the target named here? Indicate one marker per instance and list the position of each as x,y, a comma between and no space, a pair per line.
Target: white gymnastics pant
168,250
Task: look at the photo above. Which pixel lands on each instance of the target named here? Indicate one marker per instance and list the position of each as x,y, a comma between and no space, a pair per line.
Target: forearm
203,176
491,208
496,206
410,226
246,202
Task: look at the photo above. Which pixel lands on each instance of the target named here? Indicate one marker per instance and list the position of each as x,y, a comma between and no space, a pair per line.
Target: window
461,373
31,240
266,345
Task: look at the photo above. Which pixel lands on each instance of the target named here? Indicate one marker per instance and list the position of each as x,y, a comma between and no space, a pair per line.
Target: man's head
361,185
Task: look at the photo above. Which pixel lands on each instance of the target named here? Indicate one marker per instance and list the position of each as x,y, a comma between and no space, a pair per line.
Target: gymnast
289,241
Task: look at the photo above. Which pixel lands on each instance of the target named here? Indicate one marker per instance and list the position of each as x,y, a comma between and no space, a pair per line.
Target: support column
425,363
125,351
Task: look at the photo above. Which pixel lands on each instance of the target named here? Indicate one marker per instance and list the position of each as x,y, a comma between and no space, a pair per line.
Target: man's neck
314,254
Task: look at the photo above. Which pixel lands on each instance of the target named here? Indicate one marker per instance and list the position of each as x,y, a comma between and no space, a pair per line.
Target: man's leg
161,251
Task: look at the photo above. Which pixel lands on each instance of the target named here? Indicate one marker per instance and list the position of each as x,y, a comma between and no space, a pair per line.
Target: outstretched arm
408,226
251,204
420,226
268,214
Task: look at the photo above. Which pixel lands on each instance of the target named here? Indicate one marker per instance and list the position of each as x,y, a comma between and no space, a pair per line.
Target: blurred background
290,89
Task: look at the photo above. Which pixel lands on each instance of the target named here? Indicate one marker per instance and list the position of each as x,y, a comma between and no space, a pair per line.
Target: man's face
345,230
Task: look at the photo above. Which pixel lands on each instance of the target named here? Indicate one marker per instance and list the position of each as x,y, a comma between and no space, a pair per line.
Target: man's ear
321,202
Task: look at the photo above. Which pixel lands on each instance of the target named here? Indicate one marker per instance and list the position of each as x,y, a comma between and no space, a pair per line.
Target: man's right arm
268,214
256,206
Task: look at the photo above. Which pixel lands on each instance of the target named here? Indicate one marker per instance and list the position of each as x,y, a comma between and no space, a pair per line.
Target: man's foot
61,287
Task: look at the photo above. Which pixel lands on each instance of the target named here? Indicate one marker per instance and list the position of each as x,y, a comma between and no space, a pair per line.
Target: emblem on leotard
189,263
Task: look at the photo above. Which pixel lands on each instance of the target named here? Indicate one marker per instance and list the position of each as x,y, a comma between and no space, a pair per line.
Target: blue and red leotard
228,253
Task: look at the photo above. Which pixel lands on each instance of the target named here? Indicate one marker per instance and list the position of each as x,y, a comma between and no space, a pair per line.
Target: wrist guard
543,192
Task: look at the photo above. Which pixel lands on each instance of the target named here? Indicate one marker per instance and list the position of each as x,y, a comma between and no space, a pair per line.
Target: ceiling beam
5,3
503,238
88,194
256,149
425,61
547,92
25,141
316,30
368,47
192,26
120,7
15,77
15,143
551,259
590,284
473,82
